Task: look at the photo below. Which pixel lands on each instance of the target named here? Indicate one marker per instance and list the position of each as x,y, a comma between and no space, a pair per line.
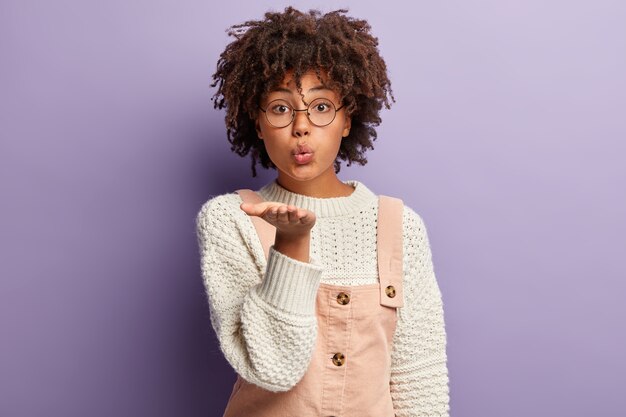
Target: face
302,151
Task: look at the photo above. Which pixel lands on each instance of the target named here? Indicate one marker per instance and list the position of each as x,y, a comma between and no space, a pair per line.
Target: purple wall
508,137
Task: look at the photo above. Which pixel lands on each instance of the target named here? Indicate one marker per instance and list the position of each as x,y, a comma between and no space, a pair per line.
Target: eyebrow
286,90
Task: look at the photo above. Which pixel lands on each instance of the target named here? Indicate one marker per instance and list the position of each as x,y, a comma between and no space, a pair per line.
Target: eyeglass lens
321,112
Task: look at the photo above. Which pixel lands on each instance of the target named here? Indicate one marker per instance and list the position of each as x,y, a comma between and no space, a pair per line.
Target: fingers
304,218
277,213
285,214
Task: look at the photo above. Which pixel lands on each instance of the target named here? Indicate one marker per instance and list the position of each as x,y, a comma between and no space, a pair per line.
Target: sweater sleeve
263,313
419,374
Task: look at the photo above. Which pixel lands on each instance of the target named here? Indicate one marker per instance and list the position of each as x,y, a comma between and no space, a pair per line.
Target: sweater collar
322,207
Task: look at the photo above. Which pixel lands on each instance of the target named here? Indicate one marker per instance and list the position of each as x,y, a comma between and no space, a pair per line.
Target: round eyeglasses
321,112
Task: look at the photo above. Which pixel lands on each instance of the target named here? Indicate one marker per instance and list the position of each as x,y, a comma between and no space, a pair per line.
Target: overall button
343,298
391,291
339,359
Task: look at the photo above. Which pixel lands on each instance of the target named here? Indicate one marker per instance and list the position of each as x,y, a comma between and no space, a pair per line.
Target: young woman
322,294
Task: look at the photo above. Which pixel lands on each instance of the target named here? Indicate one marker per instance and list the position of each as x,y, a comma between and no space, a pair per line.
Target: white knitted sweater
263,312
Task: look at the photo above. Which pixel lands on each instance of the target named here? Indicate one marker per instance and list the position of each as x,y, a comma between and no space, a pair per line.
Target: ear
257,126
347,126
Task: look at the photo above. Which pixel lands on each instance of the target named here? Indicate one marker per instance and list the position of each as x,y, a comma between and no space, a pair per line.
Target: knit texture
263,312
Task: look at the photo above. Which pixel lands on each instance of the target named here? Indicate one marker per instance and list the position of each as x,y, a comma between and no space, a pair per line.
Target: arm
419,374
264,319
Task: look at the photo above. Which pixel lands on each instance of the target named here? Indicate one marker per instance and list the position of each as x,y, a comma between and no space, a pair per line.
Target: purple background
507,137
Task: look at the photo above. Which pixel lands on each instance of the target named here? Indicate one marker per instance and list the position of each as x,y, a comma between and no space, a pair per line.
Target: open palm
288,219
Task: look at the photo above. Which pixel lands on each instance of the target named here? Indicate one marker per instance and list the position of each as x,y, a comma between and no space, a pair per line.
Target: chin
303,178
302,173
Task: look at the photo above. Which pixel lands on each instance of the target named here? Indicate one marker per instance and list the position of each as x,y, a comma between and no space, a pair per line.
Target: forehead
310,82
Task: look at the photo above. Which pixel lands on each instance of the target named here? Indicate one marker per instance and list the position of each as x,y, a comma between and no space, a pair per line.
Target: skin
316,178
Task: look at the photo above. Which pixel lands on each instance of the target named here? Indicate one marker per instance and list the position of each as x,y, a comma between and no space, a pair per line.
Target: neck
327,185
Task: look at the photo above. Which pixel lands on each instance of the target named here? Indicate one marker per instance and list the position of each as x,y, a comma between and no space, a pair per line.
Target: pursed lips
302,149
303,154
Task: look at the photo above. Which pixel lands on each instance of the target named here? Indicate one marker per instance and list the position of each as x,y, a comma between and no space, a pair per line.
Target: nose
301,124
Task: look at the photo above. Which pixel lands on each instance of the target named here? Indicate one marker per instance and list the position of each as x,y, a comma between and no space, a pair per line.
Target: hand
289,220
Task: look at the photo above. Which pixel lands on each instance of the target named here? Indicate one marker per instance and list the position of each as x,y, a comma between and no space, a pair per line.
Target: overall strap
265,231
389,248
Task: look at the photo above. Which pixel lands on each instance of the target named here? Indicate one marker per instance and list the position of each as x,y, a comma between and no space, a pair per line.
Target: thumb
247,208
254,209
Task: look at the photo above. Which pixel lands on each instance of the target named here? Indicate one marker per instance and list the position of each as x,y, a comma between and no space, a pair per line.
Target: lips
303,149
303,154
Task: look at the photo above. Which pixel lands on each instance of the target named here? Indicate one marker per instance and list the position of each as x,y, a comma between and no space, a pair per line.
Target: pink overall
349,372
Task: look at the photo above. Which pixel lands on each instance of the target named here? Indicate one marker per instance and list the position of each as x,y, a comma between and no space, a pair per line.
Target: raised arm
263,313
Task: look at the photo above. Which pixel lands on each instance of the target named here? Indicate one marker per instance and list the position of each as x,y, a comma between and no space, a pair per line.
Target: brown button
391,291
343,298
339,359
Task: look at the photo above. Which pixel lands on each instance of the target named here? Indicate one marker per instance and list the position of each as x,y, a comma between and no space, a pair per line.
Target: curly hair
264,50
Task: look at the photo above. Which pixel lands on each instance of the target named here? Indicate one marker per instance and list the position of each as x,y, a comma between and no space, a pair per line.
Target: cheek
274,146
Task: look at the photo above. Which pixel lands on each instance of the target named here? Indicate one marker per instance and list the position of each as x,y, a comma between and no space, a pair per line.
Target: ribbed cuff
289,284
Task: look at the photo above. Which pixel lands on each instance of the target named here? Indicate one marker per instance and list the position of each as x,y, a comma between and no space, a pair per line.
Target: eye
321,107
280,109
